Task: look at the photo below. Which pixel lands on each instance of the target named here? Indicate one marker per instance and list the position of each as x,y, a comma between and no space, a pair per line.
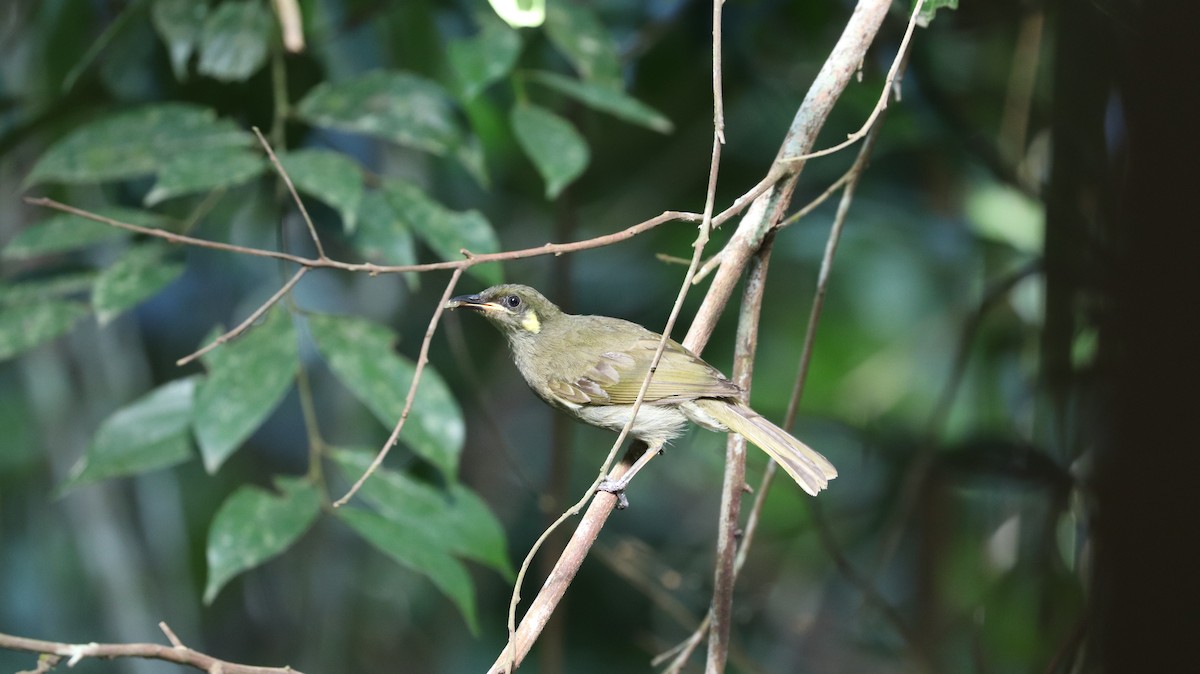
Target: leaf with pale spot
329,176
148,434
25,326
254,525
455,520
65,232
408,547
447,232
141,273
204,171
360,354
246,379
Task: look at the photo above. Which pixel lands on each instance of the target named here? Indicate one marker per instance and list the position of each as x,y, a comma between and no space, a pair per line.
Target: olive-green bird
592,367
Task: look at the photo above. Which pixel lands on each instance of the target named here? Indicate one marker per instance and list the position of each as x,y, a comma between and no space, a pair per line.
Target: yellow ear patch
531,323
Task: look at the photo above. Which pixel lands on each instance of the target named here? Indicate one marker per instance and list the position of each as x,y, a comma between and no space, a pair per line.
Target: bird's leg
617,487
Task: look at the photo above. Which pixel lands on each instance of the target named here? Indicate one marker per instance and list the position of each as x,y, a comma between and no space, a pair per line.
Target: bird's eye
512,301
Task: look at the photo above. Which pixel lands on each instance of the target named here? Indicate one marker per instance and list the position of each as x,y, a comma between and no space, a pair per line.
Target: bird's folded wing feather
617,376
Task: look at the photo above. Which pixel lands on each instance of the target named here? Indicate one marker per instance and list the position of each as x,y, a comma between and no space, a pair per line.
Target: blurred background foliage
956,538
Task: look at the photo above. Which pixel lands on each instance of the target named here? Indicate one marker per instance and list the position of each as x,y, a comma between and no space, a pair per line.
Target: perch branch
177,653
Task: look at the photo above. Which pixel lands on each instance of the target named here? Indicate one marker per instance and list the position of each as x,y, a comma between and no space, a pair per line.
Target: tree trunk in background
1147,570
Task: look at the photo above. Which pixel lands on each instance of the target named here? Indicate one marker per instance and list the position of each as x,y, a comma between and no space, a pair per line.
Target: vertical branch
735,465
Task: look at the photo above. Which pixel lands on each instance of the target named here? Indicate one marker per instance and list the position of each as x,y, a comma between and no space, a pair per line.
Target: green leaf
246,379
135,143
396,106
234,40
409,548
42,289
382,235
139,274
147,434
520,13
65,232
447,232
360,354
606,99
578,34
26,326
254,525
179,23
329,176
458,522
203,171
556,148
488,56
930,9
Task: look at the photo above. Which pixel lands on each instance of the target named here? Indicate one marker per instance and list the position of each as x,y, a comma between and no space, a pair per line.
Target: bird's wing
616,377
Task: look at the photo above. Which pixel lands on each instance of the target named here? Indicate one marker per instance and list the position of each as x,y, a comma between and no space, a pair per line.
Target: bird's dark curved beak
474,302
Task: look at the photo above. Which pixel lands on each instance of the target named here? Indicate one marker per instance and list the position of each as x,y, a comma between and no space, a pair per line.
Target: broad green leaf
360,354
382,235
396,106
520,13
457,521
234,40
556,148
410,549
606,99
64,232
179,23
203,171
42,289
254,525
147,434
1006,215
139,274
26,326
247,378
578,34
447,232
135,143
329,176
480,60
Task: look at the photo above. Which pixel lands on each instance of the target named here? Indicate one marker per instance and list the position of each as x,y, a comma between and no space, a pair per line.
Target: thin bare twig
287,180
244,325
470,260
177,653
422,359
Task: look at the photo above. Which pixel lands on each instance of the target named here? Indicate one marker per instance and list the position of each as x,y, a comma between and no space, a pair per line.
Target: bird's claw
616,488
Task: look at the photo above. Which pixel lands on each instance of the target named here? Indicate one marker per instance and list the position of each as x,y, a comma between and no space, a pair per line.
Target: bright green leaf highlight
234,40
64,232
580,36
488,56
329,176
556,148
135,143
447,232
410,549
147,434
457,521
520,13
930,9
26,326
360,354
396,106
606,99
1005,215
179,23
203,171
139,274
246,379
254,525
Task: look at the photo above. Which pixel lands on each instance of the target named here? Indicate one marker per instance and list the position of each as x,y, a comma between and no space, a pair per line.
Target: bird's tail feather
808,468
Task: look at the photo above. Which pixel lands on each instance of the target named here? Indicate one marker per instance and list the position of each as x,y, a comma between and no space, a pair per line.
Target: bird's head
516,310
